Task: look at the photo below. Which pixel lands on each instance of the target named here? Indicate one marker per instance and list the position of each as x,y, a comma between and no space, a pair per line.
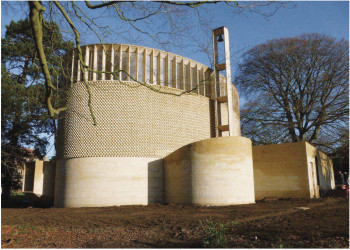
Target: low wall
108,181
281,170
216,172
323,165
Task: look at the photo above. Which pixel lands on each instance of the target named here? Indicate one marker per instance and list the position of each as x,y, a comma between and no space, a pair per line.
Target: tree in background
174,25
296,90
23,112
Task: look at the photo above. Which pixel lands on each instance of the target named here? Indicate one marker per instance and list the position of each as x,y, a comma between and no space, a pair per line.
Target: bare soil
271,223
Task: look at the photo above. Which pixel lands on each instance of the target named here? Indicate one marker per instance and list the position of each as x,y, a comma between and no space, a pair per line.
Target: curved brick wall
134,121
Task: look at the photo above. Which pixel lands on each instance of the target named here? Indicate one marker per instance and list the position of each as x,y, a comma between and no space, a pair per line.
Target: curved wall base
108,181
214,172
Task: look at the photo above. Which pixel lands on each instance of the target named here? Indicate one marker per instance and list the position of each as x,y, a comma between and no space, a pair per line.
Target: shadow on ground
25,200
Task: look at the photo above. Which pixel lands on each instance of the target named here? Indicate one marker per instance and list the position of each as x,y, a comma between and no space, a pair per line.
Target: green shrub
214,234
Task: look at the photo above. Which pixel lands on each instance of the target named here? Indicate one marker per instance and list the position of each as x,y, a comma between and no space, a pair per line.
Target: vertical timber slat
103,62
87,62
94,63
112,61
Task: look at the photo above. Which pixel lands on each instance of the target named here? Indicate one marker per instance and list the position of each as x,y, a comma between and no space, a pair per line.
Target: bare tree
172,27
296,89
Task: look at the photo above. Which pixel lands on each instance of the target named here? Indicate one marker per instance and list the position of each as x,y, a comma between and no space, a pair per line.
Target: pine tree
24,116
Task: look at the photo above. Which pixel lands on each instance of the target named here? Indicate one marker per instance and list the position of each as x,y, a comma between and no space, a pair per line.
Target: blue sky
250,29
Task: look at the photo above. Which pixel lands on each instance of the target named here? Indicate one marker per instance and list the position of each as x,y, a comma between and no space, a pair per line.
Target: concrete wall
324,164
28,180
281,170
49,170
39,177
108,181
217,171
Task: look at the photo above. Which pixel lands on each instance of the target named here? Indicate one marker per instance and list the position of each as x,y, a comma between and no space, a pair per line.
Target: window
201,82
99,65
132,65
81,73
141,68
155,69
91,64
194,78
170,73
75,67
178,75
108,65
162,69
116,65
125,65
186,87
148,68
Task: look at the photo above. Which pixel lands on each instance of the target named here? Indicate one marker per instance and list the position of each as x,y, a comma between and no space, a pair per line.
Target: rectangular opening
75,67
81,73
162,71
141,68
99,64
178,75
108,65
170,70
133,65
148,68
91,64
317,172
193,77
116,64
125,65
155,67
201,82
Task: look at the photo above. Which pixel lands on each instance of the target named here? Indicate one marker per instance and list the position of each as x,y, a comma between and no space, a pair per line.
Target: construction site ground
272,223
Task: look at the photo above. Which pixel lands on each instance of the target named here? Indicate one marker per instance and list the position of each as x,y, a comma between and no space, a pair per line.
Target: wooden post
78,71
128,63
72,72
158,69
112,61
166,70
103,62
151,71
94,63
137,64
87,61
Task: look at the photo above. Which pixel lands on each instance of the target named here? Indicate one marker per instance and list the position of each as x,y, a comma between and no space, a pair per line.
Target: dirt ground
272,223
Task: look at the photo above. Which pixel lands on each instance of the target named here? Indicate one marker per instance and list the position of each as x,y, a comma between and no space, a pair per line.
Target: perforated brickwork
133,121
